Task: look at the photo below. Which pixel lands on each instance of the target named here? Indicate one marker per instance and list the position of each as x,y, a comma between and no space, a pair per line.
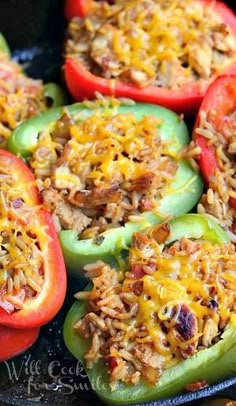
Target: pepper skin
79,8
4,45
218,104
23,212
54,94
15,341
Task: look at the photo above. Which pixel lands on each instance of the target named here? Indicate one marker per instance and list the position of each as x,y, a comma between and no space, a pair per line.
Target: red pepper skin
75,8
219,102
15,341
82,84
41,308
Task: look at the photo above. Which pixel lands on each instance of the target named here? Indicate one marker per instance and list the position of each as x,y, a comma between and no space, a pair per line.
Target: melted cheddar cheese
171,303
162,43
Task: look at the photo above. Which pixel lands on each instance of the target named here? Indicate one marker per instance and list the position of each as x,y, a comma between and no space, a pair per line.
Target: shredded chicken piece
70,217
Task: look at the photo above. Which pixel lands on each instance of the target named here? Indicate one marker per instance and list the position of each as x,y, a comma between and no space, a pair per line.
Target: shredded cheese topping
149,42
170,303
190,274
20,97
97,171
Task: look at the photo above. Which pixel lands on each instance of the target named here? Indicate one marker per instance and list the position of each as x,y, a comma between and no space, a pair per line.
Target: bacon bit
233,228
137,288
142,184
186,322
137,271
188,351
139,241
112,363
197,385
160,232
212,290
95,197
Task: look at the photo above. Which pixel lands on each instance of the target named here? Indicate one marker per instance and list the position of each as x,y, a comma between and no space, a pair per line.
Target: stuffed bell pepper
162,52
106,169
32,269
165,321
21,97
214,132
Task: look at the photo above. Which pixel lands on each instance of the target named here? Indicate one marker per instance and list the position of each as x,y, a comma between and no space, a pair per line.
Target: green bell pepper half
54,93
4,45
180,197
211,364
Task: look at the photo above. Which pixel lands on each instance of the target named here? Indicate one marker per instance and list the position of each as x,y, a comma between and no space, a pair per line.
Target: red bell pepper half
82,84
32,269
75,8
218,104
15,341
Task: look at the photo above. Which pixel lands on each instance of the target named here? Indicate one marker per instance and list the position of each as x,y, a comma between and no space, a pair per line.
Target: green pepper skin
4,45
211,364
196,226
55,94
181,195
23,140
52,91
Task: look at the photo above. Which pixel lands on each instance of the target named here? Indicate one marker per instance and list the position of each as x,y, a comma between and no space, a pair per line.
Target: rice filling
152,43
222,186
98,172
20,97
21,256
167,304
